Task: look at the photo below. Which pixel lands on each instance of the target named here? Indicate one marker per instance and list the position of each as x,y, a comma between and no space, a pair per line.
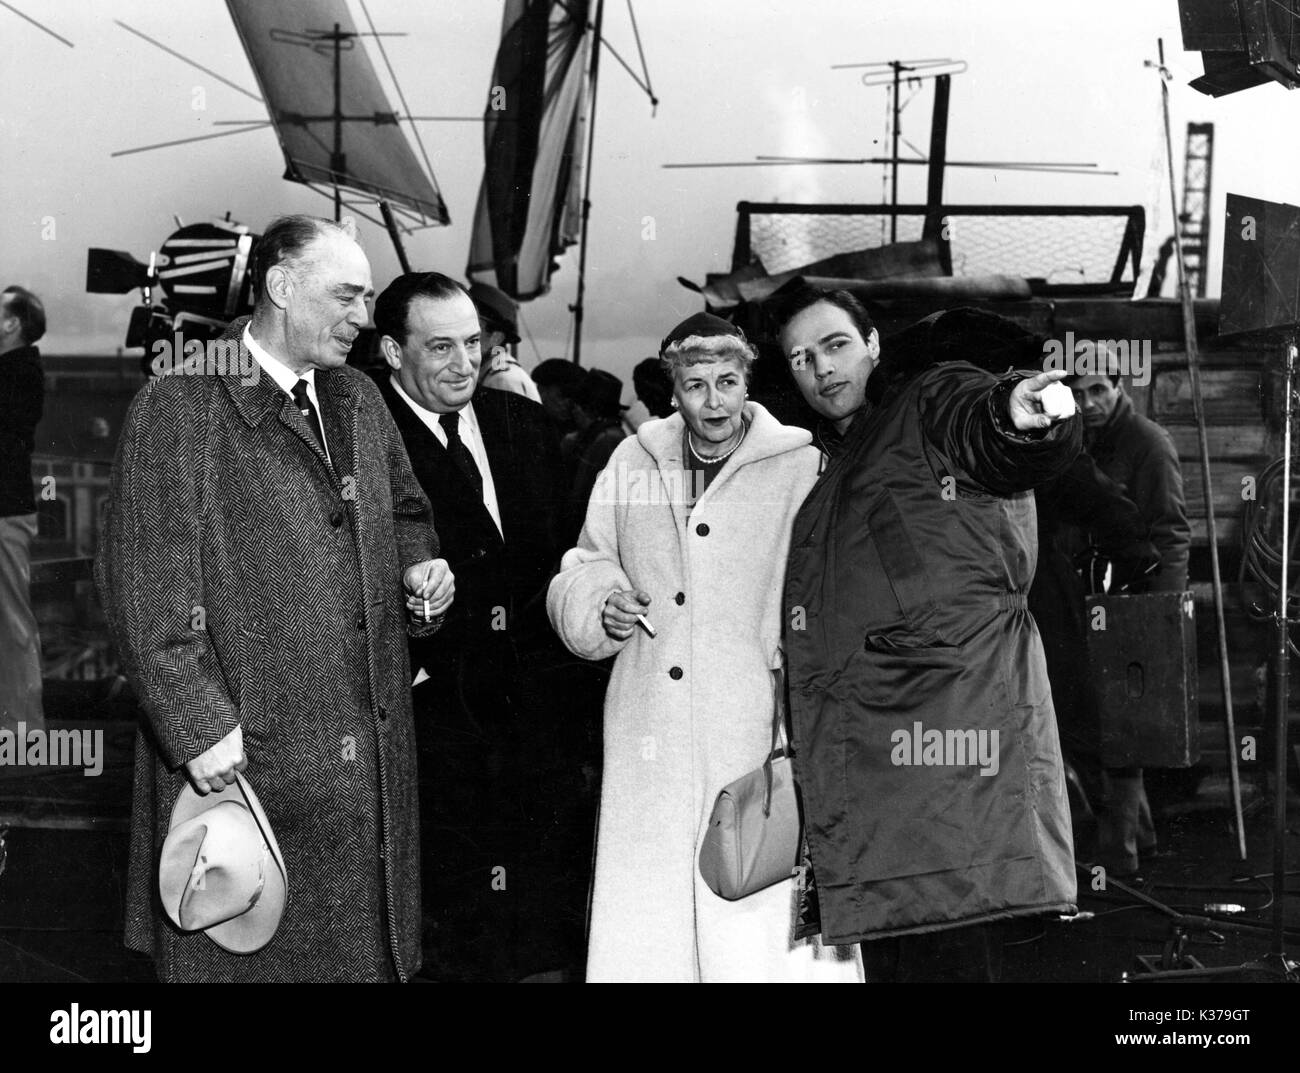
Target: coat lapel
262,398
340,411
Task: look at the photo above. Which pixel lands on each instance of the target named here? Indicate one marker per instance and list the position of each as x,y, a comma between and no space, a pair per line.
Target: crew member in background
556,381
1082,499
599,416
500,774
1140,457
652,387
499,320
22,399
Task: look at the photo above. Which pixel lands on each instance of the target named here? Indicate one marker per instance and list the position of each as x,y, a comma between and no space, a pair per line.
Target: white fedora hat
221,870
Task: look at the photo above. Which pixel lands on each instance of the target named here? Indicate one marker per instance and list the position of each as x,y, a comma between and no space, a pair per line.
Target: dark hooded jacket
907,626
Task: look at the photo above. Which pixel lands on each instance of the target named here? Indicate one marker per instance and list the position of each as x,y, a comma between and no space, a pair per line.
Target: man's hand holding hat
221,870
215,769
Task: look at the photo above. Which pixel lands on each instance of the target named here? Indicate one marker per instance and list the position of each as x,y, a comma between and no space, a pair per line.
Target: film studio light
1243,43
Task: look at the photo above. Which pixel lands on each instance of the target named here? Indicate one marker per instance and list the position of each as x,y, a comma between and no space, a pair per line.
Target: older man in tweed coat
252,568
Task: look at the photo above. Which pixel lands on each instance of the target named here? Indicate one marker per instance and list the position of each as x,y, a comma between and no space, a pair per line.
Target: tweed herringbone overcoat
247,581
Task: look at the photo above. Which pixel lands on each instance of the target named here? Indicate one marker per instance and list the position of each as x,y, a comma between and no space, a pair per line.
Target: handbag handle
779,742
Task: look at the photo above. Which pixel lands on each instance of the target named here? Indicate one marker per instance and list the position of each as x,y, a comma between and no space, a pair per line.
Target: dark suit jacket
491,572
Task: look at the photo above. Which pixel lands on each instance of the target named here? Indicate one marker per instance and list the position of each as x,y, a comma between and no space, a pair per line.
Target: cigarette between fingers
428,573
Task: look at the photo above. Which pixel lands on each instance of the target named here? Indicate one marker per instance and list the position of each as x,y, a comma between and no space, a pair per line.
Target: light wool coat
689,710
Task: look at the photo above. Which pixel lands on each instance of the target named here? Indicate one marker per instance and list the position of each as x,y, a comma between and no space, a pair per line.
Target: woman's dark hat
701,324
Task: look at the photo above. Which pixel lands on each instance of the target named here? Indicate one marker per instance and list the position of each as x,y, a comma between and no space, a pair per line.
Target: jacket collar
27,353
662,438
257,400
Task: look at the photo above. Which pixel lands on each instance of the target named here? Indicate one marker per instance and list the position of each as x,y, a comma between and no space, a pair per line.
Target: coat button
680,598
361,620
675,674
336,518
383,713
702,529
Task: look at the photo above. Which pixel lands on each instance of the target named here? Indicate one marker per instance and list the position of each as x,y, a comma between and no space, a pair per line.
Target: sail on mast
332,116
530,201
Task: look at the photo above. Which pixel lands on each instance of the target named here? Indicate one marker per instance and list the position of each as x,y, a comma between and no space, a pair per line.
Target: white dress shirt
285,377
470,436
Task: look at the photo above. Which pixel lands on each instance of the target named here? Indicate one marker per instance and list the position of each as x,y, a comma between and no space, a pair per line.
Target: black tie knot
308,410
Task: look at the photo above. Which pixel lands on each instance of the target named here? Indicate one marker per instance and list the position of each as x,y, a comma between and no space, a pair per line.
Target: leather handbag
754,832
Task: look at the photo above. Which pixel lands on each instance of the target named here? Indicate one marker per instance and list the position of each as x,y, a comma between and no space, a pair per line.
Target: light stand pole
1207,485
1281,688
1275,964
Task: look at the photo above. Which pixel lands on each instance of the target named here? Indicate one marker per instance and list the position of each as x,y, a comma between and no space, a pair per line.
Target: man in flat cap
498,317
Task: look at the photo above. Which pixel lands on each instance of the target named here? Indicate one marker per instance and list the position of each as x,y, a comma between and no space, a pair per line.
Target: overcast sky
1047,80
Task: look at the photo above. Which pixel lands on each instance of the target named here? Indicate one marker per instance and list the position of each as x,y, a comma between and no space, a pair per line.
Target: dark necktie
308,411
459,452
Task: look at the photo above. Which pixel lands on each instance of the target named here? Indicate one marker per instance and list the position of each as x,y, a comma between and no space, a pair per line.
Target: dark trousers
505,816
1124,825
970,954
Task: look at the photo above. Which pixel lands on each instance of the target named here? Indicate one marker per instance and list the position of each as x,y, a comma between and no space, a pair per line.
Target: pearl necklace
715,459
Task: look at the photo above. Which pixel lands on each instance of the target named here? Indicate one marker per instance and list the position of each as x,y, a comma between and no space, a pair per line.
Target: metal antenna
893,73
890,73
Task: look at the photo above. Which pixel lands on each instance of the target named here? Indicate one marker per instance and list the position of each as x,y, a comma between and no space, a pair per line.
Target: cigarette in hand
428,571
645,625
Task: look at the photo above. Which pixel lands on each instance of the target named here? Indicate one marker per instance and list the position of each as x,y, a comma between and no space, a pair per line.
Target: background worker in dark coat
1082,499
906,622
599,415
493,761
653,389
556,381
1140,457
22,401
260,533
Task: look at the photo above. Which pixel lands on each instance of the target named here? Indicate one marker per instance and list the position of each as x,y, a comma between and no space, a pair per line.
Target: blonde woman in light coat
688,526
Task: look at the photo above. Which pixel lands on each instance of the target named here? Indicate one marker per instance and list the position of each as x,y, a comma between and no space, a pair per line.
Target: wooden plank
1246,443
1228,528
1228,484
1231,397
1157,319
